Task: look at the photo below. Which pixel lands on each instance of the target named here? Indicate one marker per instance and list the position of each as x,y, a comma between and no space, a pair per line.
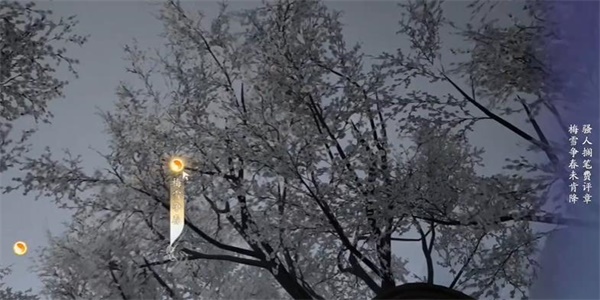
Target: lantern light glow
176,165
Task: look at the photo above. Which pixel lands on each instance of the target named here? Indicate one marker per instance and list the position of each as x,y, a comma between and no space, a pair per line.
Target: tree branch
538,130
464,266
546,219
116,282
545,147
338,228
159,279
196,229
194,255
356,270
426,251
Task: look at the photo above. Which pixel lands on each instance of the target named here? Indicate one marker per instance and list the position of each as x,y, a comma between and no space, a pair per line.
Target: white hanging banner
177,205
177,201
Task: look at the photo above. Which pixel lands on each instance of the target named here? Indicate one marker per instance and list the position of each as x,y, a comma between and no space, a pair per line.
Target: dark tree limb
464,266
547,218
426,252
545,147
160,280
195,255
356,270
116,282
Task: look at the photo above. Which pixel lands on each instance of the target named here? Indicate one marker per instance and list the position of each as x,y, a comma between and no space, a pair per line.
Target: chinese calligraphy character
573,129
573,186
587,164
587,152
177,183
573,152
587,175
573,198
573,164
586,129
573,140
587,187
587,198
573,175
586,142
176,219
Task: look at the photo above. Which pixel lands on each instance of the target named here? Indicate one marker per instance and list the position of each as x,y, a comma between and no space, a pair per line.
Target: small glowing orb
20,248
176,165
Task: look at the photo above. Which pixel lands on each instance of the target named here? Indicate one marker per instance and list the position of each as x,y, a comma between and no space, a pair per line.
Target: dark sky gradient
570,265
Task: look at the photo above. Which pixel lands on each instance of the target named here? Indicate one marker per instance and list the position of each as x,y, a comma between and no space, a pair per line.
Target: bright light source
20,248
176,165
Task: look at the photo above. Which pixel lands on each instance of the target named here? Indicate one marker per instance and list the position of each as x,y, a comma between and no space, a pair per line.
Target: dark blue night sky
570,264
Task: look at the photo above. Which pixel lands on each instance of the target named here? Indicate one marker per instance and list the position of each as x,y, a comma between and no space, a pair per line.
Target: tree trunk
421,290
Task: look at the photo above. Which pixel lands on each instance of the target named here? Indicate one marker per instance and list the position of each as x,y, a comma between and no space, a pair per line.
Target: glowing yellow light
20,248
176,165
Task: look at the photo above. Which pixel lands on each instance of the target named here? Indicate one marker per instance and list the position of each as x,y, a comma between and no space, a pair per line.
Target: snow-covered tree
307,165
30,42
32,45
